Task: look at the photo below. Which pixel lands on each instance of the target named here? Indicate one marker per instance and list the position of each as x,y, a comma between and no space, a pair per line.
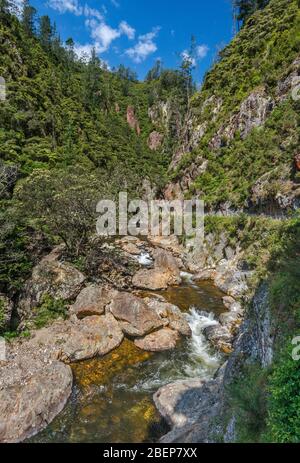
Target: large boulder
92,300
32,393
165,272
171,315
153,279
77,340
135,317
6,308
159,341
59,280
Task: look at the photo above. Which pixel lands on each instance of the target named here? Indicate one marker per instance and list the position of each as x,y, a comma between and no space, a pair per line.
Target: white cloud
66,6
145,46
104,35
87,11
74,7
115,3
127,30
187,57
84,51
202,51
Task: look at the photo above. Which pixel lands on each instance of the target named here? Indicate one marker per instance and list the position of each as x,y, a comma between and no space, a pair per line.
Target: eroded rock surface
159,341
134,316
32,393
92,300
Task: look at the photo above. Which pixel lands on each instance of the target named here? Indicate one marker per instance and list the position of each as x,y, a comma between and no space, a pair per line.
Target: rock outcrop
155,140
134,316
32,393
165,272
50,277
132,120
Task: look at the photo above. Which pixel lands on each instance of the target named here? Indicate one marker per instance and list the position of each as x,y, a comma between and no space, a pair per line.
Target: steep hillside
240,149
240,153
69,125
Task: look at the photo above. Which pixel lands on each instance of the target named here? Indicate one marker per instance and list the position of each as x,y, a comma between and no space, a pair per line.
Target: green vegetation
265,402
256,60
65,141
50,309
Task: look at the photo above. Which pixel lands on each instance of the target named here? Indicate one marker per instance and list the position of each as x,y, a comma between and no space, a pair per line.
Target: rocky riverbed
170,325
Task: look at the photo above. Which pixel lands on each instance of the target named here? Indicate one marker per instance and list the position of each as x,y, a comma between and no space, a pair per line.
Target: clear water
112,397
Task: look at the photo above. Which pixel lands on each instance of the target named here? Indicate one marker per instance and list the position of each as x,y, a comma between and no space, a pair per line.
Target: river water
111,400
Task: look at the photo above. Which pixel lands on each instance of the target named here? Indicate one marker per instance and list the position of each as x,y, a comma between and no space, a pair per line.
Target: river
111,400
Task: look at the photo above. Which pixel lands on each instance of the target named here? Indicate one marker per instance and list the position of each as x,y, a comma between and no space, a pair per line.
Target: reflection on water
112,397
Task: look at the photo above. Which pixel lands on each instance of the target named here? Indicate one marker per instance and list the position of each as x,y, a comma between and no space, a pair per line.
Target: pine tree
45,32
28,18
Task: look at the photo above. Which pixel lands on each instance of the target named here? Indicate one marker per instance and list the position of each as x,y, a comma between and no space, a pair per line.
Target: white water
145,259
196,360
201,359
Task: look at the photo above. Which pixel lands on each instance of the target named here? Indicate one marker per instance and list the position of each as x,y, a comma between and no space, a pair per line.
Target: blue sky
137,32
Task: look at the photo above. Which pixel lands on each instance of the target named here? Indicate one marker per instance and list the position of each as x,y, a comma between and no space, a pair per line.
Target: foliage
50,309
284,401
247,402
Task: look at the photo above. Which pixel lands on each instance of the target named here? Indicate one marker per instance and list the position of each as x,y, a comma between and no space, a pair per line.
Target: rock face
32,393
135,317
155,140
189,407
159,341
57,279
132,120
6,308
253,113
92,301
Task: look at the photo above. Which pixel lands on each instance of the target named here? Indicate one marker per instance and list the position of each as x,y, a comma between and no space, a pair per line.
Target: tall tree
28,18
45,32
245,8
187,67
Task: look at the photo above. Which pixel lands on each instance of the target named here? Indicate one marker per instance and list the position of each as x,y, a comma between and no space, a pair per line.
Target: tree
188,65
245,8
155,72
28,18
45,32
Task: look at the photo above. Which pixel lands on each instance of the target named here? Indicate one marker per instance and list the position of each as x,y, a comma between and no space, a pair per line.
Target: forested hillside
72,126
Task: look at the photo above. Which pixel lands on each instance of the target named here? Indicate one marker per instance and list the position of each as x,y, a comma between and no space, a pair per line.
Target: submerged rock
159,341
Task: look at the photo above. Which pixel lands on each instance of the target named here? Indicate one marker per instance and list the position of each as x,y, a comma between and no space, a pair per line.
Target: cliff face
242,128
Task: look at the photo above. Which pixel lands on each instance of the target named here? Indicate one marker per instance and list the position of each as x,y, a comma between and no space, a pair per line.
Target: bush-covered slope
244,121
